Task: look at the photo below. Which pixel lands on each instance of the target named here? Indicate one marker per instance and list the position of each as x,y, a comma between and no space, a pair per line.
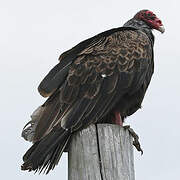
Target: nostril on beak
159,22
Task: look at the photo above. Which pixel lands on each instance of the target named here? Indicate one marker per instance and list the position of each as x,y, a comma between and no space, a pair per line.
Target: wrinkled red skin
150,18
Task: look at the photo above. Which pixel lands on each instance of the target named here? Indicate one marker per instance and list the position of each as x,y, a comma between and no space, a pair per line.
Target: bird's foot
136,142
118,120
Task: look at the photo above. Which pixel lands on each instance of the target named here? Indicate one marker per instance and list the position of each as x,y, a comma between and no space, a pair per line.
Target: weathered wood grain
102,152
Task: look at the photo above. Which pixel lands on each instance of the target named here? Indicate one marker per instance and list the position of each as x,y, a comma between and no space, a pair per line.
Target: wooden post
101,152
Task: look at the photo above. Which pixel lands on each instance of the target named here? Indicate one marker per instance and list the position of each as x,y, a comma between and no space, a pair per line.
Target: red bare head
151,20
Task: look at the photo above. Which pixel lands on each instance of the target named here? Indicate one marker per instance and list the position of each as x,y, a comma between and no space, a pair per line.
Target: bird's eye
153,17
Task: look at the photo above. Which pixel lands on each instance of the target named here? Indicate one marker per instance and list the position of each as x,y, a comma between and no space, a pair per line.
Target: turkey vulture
102,79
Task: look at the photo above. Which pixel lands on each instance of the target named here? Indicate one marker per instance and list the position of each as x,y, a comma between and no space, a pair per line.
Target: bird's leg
117,118
136,142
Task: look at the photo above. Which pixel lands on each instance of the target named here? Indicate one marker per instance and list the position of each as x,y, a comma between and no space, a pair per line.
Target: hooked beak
161,29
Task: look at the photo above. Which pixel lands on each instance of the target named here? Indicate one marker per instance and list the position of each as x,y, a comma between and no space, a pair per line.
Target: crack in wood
99,152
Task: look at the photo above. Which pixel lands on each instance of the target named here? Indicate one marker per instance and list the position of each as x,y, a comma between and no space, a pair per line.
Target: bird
100,80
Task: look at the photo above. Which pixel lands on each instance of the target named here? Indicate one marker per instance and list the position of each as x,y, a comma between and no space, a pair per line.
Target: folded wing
92,77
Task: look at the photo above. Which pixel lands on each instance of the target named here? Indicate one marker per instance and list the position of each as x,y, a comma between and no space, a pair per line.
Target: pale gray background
32,36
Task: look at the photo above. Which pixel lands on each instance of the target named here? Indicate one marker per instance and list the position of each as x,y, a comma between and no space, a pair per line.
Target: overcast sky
32,36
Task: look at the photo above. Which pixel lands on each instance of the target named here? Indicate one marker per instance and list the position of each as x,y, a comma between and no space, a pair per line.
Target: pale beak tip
161,29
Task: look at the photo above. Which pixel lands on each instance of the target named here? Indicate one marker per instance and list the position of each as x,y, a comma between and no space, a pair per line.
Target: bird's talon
136,142
126,127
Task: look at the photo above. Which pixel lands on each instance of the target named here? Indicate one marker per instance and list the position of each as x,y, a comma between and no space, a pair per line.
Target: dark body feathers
108,72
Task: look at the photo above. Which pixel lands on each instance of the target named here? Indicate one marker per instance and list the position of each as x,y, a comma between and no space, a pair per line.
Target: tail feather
45,154
55,157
